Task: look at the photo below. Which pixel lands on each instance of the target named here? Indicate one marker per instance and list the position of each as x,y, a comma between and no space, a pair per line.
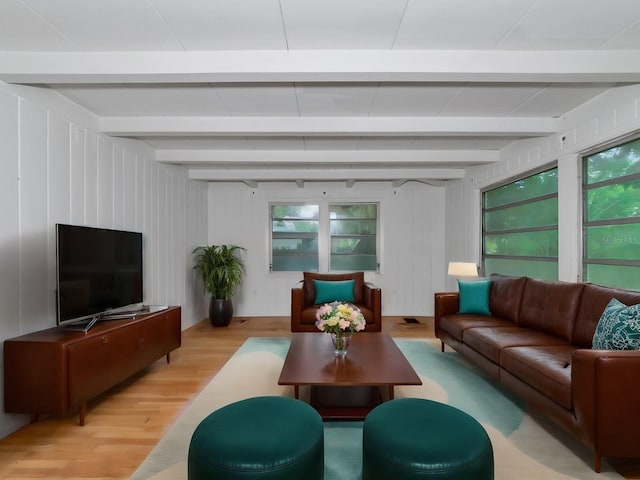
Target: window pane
613,163
360,210
614,276
353,229
295,211
618,242
530,244
353,262
294,237
536,214
530,187
541,270
620,200
294,226
353,245
356,227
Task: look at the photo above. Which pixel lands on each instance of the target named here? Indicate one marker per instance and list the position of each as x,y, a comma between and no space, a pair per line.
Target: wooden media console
55,370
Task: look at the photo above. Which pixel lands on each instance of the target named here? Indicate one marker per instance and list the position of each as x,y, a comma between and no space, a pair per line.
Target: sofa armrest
297,304
606,395
445,303
373,301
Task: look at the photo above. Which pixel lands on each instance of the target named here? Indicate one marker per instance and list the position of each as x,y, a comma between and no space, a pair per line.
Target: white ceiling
301,90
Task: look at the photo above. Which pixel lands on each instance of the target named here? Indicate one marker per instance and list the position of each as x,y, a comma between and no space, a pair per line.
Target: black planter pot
220,312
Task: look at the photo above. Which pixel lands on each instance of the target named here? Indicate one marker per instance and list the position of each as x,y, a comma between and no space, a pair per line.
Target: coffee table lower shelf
346,402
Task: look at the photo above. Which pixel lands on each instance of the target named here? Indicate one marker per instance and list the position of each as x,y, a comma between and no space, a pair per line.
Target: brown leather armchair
367,297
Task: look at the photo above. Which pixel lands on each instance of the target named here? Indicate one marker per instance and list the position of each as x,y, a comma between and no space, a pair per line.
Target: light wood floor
124,424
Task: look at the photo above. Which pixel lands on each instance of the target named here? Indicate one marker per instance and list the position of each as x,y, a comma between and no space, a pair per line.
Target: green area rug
524,448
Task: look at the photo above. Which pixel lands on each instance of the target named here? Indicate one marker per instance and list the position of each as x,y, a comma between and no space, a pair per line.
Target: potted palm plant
220,268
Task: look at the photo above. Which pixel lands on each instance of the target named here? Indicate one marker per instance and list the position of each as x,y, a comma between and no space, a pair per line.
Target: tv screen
97,270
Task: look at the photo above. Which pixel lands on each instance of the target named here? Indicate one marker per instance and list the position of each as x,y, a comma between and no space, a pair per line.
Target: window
520,227
338,237
611,216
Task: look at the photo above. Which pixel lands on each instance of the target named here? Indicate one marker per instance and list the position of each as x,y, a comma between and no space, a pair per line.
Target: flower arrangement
339,318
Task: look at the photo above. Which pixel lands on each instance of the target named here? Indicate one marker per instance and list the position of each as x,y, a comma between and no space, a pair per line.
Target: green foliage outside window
294,237
542,213
520,227
353,229
352,243
611,212
534,186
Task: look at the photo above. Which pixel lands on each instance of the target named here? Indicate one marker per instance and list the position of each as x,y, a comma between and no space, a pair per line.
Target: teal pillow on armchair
474,296
328,291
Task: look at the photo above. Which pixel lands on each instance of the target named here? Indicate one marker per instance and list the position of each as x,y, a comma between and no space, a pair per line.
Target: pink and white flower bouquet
339,318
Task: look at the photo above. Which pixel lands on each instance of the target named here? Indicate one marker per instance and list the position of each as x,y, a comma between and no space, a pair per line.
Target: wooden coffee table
346,387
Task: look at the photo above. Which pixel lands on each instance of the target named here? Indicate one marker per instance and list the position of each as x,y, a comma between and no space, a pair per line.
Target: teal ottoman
412,438
259,438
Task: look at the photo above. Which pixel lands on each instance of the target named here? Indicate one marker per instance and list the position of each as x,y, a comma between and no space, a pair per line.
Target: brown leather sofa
537,343
367,297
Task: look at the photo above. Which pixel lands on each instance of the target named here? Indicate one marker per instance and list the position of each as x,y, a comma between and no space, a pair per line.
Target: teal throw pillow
618,327
333,291
474,296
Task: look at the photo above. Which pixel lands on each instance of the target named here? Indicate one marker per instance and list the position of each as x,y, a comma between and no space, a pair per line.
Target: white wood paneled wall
411,234
56,170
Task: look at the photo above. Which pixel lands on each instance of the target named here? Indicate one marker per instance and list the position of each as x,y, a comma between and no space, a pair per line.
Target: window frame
324,236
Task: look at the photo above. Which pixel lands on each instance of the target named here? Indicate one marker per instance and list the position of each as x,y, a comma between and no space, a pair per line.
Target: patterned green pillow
618,327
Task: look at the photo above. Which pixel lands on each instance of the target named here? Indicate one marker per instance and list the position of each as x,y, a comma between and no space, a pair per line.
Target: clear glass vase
340,341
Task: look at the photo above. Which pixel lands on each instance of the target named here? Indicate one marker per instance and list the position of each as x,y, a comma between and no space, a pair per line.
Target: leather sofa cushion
594,300
544,368
455,325
310,292
550,307
489,341
505,296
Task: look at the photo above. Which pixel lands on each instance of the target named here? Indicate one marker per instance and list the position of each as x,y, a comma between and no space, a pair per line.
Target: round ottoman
411,438
259,438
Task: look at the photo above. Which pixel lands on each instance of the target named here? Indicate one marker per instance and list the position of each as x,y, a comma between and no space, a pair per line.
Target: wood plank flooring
124,424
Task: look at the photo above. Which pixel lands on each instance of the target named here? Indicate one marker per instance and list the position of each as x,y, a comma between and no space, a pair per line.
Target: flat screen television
98,271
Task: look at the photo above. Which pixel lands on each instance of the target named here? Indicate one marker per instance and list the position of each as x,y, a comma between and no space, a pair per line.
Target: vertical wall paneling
129,192
118,187
140,184
77,172
59,195
105,183
9,212
155,229
59,171
149,234
33,216
91,178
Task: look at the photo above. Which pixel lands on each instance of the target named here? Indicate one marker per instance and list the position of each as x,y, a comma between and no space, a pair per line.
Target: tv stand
84,325
56,370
